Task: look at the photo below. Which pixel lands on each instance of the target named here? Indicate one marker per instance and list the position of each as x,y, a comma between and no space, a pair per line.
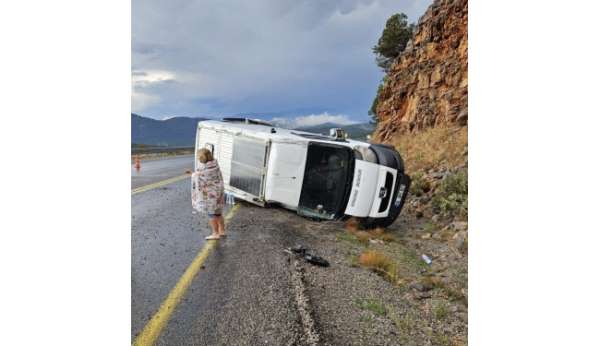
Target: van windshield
327,175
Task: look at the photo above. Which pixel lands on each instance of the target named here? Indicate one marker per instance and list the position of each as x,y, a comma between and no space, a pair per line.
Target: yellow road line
158,184
154,327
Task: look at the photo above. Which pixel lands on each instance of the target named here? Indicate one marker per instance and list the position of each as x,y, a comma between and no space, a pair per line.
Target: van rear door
248,168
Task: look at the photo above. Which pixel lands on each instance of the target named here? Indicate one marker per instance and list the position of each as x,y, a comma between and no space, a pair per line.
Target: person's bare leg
214,225
221,223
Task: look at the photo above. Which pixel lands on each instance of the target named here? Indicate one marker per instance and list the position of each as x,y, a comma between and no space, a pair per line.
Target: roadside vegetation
434,298
433,148
436,160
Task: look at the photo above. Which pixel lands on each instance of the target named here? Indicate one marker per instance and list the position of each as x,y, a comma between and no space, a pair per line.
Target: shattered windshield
326,178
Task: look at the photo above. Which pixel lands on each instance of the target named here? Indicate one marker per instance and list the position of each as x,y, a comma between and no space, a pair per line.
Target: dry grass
433,147
452,293
441,310
381,234
362,236
380,263
375,259
388,237
352,225
377,232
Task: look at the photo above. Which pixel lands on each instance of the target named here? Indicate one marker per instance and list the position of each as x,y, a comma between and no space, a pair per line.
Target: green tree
393,40
373,110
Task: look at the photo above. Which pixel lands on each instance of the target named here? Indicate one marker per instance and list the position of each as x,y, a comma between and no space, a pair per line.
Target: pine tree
393,40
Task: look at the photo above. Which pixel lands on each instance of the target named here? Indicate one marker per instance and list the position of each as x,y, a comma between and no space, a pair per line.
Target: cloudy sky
307,61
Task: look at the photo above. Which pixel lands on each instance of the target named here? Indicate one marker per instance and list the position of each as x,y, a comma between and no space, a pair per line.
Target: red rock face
427,85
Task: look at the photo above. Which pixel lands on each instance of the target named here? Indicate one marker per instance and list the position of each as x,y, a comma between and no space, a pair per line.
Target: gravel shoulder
354,305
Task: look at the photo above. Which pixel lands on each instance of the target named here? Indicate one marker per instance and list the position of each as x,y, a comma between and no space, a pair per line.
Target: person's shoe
224,235
212,237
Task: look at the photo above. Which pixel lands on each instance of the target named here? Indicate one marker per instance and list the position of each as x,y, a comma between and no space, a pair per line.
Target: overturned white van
318,176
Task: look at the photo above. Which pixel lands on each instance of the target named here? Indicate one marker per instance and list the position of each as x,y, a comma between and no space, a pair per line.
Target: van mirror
337,133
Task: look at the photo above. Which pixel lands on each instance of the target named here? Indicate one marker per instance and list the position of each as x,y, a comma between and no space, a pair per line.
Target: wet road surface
243,294
152,171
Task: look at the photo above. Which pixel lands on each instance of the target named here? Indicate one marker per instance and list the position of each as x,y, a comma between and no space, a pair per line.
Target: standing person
208,192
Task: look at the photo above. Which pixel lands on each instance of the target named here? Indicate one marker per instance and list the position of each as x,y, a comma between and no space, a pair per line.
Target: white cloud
141,101
142,82
146,78
313,120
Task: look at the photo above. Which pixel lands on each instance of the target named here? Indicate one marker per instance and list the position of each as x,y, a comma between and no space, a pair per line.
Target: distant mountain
355,131
181,131
173,132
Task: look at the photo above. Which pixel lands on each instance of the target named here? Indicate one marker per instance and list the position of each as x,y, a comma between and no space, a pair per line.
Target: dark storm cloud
226,57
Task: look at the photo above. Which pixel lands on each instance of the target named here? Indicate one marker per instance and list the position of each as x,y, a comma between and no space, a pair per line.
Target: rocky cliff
427,84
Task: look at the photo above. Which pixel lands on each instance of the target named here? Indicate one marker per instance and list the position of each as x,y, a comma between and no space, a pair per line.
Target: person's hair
204,155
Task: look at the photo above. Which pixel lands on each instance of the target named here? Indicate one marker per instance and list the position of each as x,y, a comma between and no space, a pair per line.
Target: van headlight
365,154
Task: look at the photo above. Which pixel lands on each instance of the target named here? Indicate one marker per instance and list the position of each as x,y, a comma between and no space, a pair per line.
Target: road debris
426,258
302,251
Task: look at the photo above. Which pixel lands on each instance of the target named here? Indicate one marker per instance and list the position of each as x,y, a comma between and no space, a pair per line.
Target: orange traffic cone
137,164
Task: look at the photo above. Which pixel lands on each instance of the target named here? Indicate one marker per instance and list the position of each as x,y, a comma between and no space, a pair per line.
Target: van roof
280,135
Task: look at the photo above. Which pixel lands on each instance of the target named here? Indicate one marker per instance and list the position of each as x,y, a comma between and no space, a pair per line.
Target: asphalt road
244,293
156,170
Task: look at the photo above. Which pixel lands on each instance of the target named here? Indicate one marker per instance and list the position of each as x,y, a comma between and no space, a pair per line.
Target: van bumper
402,186
388,156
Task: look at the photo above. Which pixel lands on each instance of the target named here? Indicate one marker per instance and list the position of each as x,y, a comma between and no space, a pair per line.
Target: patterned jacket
207,188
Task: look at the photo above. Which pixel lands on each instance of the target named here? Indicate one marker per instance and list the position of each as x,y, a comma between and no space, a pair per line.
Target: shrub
419,185
451,198
373,109
441,310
